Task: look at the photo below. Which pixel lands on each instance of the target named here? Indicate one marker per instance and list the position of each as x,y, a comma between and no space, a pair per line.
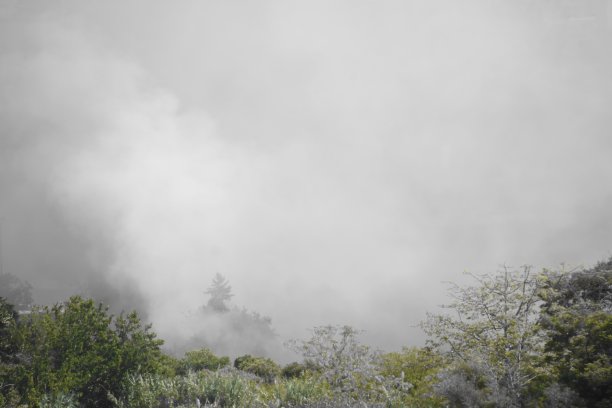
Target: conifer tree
220,291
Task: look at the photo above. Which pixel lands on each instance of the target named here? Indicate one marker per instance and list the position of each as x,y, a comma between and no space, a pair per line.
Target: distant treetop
16,291
220,291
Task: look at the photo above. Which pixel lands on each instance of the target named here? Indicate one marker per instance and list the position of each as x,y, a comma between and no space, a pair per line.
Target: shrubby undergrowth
514,339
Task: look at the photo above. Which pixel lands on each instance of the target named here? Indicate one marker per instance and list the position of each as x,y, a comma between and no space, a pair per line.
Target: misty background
336,161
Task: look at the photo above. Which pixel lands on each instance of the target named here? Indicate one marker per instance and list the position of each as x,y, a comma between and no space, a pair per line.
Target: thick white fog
336,161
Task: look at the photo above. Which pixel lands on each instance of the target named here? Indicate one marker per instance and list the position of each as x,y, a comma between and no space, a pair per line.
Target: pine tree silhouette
220,291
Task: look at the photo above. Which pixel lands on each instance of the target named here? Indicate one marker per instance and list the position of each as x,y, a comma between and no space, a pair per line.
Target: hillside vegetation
517,338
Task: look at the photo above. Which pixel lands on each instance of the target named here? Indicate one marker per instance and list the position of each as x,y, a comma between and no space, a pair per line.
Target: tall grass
235,389
59,401
219,389
210,388
295,392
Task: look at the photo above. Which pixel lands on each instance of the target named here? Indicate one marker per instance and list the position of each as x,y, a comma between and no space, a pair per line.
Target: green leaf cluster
78,348
262,367
494,325
419,368
294,370
577,317
202,359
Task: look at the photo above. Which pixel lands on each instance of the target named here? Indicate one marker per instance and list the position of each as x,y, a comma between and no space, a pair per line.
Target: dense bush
577,318
337,354
262,367
241,361
418,367
293,370
351,369
77,348
202,359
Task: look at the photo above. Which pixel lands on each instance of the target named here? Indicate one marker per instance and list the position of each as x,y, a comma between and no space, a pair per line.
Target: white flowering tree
494,326
335,351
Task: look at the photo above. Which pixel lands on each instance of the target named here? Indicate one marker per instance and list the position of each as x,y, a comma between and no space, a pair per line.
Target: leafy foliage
298,392
8,316
262,367
139,348
465,385
294,370
419,368
202,359
495,326
351,369
514,339
73,348
9,368
577,314
335,351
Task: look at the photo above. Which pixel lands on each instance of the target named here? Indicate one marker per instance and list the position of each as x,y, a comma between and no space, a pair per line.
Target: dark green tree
74,348
139,347
8,316
577,317
9,368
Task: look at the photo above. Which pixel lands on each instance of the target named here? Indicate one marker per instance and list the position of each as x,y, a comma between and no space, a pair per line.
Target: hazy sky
335,160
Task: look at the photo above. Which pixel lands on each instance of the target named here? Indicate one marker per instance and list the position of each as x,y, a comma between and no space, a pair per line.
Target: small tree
336,352
494,325
74,347
220,291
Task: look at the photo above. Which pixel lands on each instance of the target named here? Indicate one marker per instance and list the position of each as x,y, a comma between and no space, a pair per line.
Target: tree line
515,338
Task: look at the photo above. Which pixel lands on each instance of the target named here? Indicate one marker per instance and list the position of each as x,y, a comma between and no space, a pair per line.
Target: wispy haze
336,161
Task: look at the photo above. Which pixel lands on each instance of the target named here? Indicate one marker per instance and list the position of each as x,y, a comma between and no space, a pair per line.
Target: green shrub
168,365
417,367
300,391
239,362
202,359
77,348
262,367
293,370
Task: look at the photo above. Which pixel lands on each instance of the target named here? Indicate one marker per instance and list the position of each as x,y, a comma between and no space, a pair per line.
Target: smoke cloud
335,161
